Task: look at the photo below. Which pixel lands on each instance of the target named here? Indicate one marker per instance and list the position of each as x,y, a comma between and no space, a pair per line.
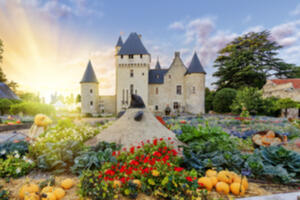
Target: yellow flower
155,173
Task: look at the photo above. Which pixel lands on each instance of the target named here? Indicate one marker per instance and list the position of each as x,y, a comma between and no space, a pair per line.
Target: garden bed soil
255,188
5,127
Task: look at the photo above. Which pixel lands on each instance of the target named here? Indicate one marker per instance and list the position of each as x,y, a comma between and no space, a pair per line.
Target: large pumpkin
59,193
206,182
222,188
211,172
31,196
225,176
237,189
67,183
28,188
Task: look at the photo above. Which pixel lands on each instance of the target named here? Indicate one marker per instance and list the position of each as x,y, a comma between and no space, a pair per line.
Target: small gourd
116,184
237,189
210,173
59,193
137,182
67,183
213,180
47,189
244,181
48,196
31,196
225,176
206,182
222,188
28,188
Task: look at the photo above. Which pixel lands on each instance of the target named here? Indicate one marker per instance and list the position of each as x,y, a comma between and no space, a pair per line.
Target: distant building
284,88
179,87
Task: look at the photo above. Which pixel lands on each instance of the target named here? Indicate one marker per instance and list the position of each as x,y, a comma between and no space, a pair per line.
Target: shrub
270,107
5,105
223,99
209,97
32,108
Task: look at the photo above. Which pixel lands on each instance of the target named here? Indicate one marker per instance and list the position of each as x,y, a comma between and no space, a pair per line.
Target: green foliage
249,98
5,105
209,97
29,96
78,98
15,166
32,108
7,148
249,60
56,149
223,99
93,157
269,107
1,50
287,103
155,165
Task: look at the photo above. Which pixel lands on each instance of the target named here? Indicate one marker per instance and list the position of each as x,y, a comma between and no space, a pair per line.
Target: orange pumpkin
270,134
213,180
48,196
67,183
244,181
222,188
47,189
210,173
237,189
59,193
206,182
225,176
31,196
117,184
137,182
28,188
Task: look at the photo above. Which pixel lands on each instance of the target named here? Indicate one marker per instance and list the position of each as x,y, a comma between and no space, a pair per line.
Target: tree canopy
249,60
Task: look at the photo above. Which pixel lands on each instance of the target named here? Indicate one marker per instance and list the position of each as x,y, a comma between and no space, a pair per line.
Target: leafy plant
15,166
94,157
7,148
223,99
4,194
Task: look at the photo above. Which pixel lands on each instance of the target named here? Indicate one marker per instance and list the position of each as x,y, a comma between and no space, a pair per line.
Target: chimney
177,54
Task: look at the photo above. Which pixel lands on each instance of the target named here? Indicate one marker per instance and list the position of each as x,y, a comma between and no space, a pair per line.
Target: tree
209,97
249,98
5,105
78,98
249,60
223,100
29,96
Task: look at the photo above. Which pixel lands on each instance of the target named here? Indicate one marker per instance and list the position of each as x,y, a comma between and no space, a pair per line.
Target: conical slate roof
157,66
7,93
89,75
133,45
195,66
120,42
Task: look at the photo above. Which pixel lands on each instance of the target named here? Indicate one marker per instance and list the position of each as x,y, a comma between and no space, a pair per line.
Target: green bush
5,105
223,99
269,107
248,97
32,108
209,97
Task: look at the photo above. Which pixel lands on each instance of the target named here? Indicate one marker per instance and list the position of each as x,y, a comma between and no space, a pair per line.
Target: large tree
249,60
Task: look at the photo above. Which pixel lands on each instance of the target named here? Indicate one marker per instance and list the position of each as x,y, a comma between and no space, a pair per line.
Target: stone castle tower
132,68
89,91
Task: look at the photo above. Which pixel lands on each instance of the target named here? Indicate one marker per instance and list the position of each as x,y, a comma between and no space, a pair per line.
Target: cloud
296,11
176,26
199,29
286,34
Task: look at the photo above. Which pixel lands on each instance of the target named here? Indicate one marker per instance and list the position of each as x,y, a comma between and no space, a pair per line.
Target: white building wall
89,98
140,67
195,93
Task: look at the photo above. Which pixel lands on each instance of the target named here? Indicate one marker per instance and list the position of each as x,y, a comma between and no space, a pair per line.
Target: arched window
131,89
91,91
91,103
194,90
131,73
156,90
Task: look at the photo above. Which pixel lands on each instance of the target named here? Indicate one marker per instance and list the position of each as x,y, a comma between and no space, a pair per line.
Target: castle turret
132,67
119,45
89,91
195,87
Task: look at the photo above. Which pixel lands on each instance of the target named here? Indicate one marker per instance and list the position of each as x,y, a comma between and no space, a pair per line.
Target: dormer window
141,55
130,56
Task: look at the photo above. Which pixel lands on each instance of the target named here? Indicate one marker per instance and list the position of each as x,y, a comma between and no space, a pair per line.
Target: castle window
91,103
131,73
91,91
131,89
143,74
178,89
141,55
156,90
130,56
157,76
156,107
194,90
135,91
176,105
121,56
169,76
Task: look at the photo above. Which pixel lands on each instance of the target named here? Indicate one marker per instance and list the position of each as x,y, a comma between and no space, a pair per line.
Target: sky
47,43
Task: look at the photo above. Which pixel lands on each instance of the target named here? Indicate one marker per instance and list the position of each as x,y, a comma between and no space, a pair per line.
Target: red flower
138,147
114,153
155,142
188,178
132,150
178,169
161,139
124,149
110,172
134,162
148,141
169,138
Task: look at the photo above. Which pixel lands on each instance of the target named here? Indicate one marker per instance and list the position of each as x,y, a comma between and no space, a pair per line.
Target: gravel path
13,135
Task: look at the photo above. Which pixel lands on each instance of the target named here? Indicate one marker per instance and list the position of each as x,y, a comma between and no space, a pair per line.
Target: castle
180,88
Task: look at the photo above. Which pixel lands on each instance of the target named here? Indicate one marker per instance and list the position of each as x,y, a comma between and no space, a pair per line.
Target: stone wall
107,104
89,98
